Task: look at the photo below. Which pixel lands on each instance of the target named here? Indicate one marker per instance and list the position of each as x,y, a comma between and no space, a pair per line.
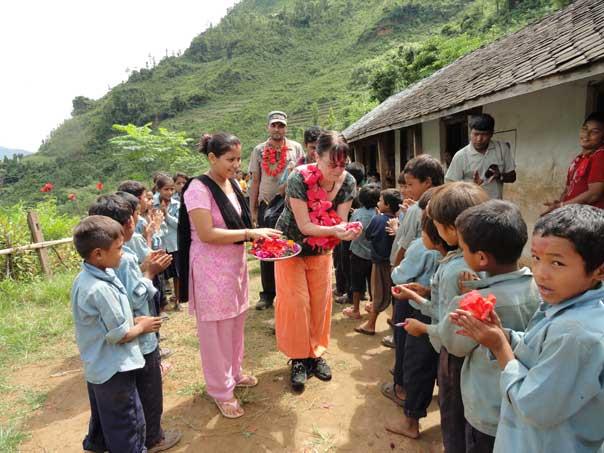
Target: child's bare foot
405,426
351,313
369,307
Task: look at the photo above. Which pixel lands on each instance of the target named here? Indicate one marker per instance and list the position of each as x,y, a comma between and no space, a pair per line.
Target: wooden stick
34,246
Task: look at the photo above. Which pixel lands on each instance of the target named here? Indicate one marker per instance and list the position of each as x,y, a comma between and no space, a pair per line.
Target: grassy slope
278,65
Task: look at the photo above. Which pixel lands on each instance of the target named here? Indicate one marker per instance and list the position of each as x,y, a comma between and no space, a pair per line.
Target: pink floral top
218,280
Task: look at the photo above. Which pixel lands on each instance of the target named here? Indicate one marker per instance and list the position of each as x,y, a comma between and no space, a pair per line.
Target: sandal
164,368
232,405
350,313
247,381
387,389
364,331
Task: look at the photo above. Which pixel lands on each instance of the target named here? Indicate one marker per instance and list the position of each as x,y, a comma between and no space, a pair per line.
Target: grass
10,438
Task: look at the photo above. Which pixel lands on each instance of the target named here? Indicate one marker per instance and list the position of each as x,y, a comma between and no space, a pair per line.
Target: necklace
269,159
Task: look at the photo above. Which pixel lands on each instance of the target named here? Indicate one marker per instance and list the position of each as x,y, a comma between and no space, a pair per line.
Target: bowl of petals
274,249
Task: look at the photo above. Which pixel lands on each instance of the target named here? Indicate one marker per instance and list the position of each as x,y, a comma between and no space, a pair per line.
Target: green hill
324,62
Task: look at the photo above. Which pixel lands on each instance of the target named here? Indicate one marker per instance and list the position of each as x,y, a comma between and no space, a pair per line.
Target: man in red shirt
585,180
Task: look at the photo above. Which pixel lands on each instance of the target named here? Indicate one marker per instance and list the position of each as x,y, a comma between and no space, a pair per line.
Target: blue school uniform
517,299
139,230
140,292
169,227
553,392
419,265
361,246
139,246
102,317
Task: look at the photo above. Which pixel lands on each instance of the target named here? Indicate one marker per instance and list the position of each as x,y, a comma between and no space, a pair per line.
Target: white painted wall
546,128
431,138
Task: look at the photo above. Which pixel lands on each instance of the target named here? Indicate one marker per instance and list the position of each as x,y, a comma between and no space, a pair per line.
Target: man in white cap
268,161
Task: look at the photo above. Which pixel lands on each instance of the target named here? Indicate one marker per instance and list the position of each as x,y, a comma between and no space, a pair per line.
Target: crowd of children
528,377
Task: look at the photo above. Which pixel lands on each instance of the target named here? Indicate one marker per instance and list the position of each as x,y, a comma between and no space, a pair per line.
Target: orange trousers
303,305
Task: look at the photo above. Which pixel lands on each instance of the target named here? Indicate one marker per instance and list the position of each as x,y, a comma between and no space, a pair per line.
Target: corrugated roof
562,42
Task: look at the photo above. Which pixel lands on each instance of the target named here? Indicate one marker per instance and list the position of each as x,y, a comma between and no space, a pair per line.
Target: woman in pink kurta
218,279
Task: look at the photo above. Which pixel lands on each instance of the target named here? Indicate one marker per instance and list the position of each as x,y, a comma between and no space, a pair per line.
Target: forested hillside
324,62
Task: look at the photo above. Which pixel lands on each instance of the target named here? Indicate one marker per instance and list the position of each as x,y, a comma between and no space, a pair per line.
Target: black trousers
117,422
477,441
400,312
342,264
419,370
267,268
452,420
150,391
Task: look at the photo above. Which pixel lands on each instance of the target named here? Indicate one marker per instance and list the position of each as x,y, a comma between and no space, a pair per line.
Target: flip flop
349,313
247,381
364,331
222,405
387,389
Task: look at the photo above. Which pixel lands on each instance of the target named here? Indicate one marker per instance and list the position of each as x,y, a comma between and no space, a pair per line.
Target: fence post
37,236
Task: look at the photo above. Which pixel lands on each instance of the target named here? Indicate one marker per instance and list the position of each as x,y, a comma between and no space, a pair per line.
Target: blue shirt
141,225
381,242
361,246
139,246
517,299
553,392
169,226
418,265
102,317
140,292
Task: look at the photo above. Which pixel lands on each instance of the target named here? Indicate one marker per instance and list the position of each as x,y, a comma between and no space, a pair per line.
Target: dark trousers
477,441
400,312
342,266
267,268
117,422
419,371
150,391
452,421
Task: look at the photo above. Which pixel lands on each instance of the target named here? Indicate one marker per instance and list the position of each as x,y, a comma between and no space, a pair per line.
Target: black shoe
264,303
320,369
299,374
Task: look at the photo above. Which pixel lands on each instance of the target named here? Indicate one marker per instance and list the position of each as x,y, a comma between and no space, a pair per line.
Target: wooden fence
38,244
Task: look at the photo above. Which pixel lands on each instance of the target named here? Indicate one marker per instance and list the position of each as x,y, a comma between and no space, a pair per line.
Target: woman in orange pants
318,201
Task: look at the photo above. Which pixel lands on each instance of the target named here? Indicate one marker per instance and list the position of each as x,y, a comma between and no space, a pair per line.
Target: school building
538,83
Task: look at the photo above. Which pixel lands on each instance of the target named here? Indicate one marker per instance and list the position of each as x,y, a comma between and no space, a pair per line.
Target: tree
81,104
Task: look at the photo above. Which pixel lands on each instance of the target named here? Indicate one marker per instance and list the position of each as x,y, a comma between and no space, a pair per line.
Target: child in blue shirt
492,236
107,336
169,228
141,293
381,243
552,377
360,248
447,203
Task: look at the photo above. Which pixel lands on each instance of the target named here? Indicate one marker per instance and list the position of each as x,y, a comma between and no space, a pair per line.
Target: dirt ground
346,414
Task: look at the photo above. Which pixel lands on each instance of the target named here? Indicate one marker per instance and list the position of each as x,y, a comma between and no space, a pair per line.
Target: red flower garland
320,209
269,158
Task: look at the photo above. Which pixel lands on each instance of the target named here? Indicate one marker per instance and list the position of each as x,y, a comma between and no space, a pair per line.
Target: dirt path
346,414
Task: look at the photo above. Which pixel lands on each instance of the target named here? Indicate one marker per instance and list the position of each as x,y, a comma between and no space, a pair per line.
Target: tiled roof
562,42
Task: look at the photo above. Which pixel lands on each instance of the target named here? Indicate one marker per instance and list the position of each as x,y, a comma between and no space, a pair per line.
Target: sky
53,51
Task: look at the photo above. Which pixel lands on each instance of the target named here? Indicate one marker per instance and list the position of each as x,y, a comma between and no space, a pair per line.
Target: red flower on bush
71,197
99,186
47,187
479,306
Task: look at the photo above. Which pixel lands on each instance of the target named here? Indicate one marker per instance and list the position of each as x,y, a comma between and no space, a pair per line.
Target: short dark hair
425,166
113,206
482,122
495,227
598,117
582,225
163,180
423,201
431,231
369,195
357,170
312,134
392,198
217,144
95,232
134,187
130,199
454,198
180,174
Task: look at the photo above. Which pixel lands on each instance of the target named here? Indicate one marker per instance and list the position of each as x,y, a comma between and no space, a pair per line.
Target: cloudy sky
52,51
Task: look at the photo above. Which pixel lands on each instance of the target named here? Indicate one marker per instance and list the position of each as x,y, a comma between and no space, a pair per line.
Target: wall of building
431,138
544,126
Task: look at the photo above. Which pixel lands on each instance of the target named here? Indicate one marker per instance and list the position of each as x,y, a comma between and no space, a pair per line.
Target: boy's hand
156,261
148,324
488,333
407,203
419,289
392,226
415,327
466,277
404,292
